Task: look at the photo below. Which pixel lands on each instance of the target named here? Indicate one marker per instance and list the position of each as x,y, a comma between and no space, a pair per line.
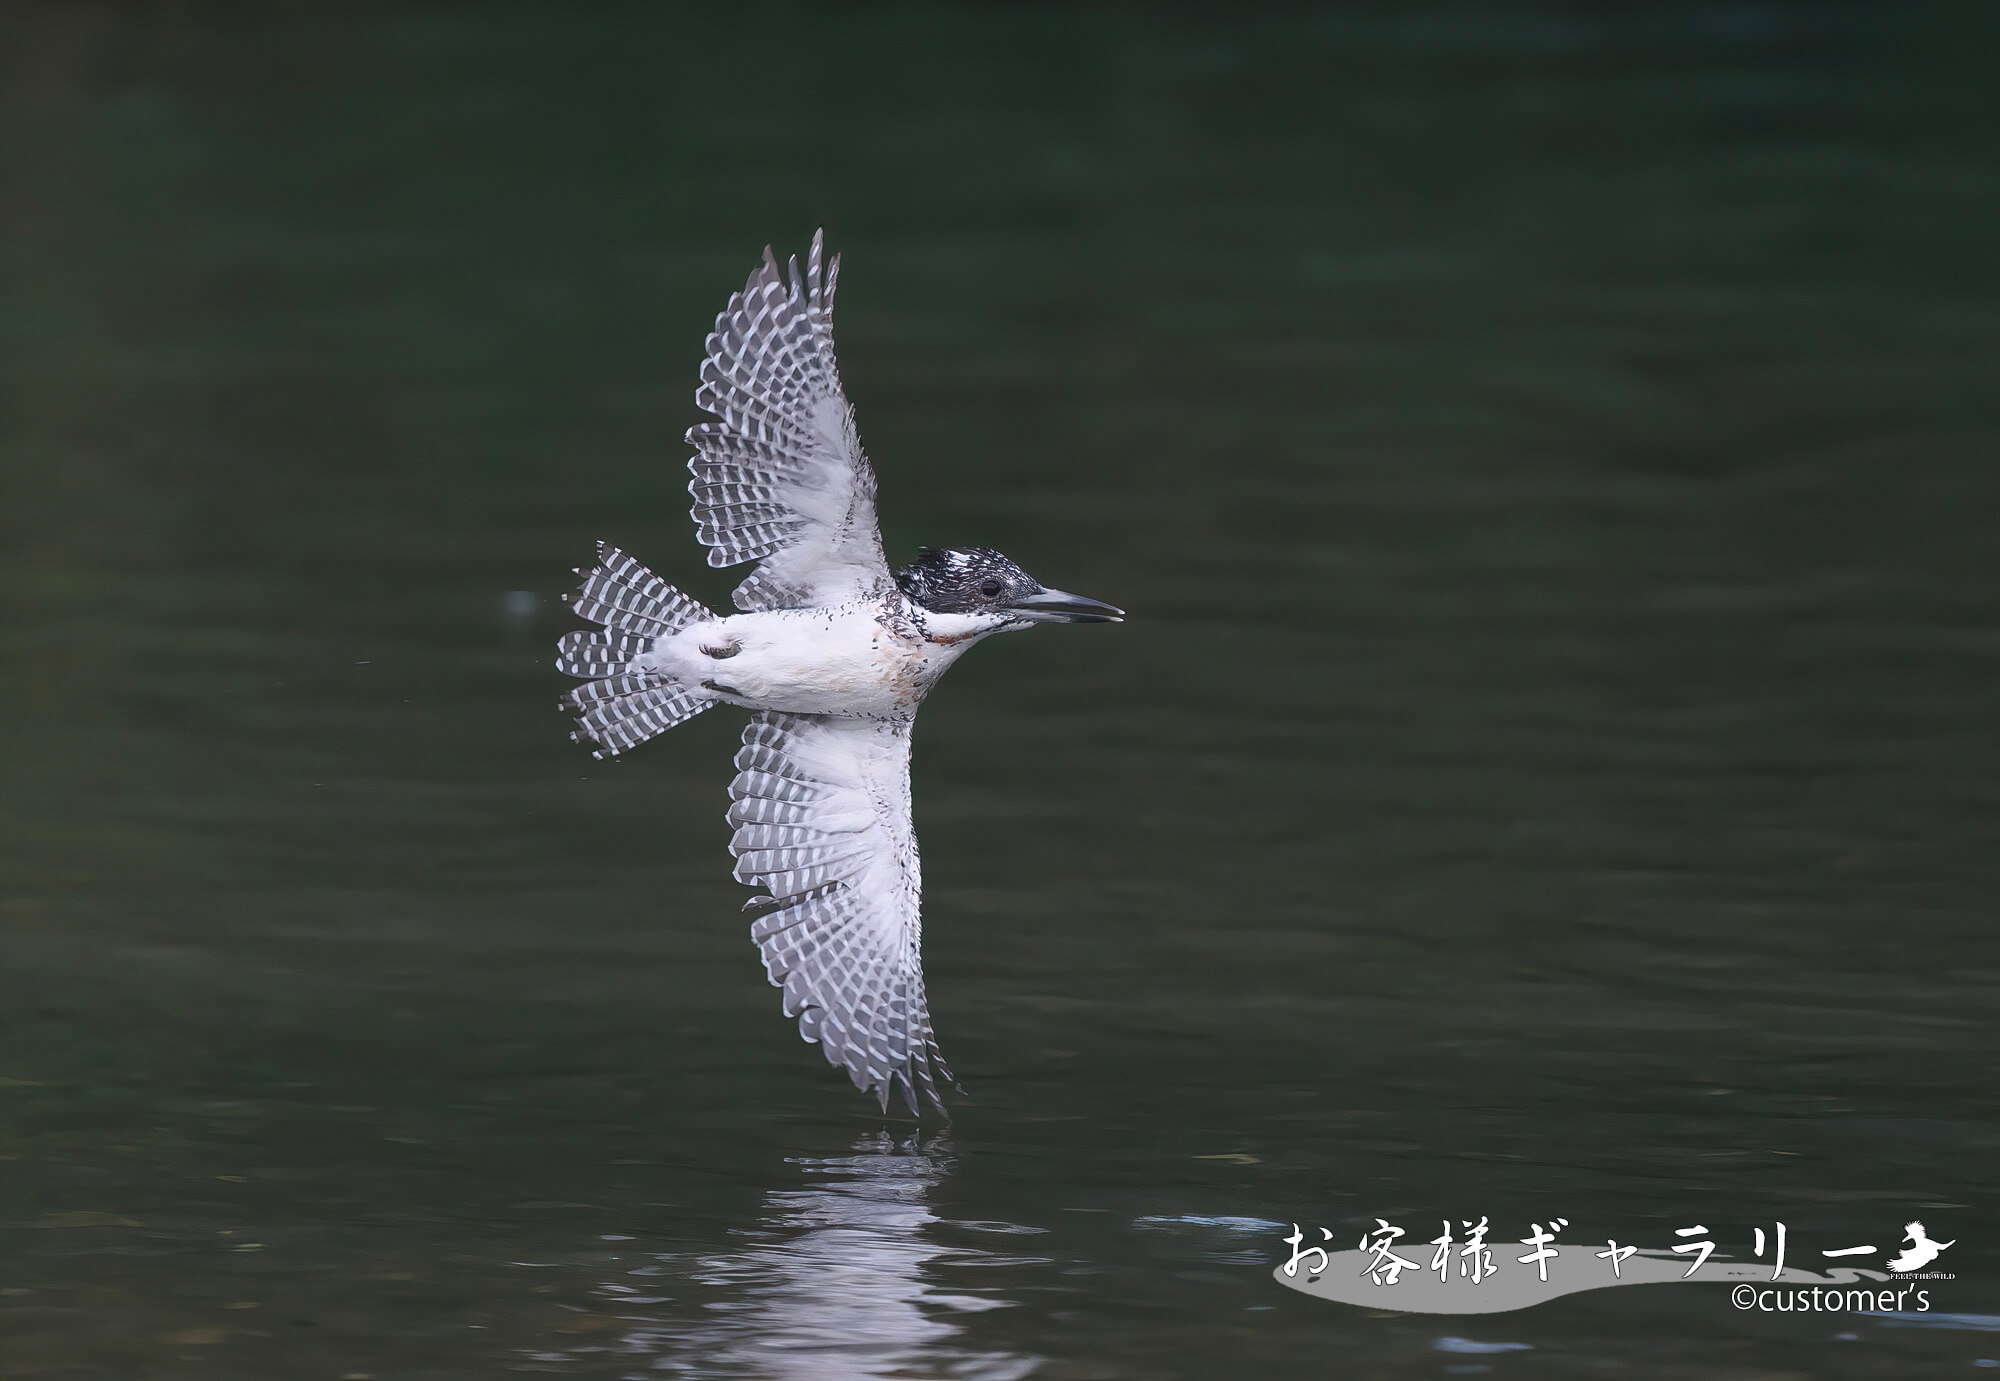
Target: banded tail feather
621,706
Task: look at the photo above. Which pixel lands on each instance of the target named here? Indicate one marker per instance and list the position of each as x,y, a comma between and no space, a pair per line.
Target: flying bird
1923,1249
832,653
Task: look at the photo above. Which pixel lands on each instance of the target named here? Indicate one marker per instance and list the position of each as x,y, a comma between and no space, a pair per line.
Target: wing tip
923,1089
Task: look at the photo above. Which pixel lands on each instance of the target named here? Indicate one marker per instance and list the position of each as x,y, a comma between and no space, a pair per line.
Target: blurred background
1547,451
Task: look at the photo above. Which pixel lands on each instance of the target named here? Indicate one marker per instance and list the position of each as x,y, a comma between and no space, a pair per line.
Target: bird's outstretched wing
821,807
779,476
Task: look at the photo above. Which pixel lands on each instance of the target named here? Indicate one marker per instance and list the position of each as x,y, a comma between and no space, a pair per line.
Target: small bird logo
1921,1251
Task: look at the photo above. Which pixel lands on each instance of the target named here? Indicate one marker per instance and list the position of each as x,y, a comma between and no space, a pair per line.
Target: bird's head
987,593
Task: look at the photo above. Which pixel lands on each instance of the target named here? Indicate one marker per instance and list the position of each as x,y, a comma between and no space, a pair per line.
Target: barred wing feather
821,807
779,476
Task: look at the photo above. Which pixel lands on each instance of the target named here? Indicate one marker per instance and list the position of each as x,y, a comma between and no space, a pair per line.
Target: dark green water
1549,456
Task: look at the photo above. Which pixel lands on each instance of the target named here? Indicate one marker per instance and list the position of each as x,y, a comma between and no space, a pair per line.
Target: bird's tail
620,706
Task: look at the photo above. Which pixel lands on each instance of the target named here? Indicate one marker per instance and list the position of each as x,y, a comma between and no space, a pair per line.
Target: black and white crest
964,580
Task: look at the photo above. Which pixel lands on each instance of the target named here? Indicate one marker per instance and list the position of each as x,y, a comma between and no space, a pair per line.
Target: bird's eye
989,588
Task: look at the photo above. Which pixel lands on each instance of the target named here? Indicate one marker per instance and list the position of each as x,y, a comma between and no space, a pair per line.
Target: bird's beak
1055,606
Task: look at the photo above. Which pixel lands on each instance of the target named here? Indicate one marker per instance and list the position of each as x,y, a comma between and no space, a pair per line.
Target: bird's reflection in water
837,1281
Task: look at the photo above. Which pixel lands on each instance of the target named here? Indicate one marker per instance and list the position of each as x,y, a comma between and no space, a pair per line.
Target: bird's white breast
863,659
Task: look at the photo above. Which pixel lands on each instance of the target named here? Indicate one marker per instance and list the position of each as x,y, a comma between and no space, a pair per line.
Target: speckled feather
779,477
821,807
622,708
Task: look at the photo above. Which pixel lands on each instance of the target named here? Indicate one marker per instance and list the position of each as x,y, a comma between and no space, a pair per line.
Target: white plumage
822,813
833,654
780,477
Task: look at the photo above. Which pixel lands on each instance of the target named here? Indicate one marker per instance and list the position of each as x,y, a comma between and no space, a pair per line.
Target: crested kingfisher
831,653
